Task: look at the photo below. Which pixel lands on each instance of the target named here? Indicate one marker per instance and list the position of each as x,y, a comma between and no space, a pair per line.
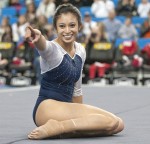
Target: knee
120,126
112,124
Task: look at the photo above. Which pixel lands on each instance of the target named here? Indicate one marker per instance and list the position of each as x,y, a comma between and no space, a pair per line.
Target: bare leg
89,123
67,118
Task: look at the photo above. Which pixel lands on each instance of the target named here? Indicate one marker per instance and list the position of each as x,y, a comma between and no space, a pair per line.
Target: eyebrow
70,23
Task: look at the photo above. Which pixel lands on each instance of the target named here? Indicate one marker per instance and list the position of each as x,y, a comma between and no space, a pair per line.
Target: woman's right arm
35,36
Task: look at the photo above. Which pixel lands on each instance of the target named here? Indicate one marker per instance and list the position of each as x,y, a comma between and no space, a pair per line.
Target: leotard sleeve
50,57
77,87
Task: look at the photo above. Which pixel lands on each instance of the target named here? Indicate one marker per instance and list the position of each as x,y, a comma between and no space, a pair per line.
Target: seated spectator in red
98,35
128,30
145,28
126,7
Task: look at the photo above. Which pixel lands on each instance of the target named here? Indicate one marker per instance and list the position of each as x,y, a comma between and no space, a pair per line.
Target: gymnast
59,110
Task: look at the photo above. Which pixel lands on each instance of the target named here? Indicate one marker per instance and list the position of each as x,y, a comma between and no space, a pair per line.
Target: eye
61,26
72,25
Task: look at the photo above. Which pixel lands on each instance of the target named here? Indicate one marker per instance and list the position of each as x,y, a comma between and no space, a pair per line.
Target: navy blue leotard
61,74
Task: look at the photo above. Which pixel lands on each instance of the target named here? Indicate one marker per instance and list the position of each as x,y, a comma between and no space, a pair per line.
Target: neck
66,46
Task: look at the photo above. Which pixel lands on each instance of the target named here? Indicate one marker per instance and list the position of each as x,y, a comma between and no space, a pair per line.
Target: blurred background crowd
114,33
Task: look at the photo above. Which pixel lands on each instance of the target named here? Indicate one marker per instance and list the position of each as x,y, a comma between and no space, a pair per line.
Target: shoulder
52,44
80,50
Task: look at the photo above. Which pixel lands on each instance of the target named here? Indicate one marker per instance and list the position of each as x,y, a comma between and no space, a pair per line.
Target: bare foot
51,128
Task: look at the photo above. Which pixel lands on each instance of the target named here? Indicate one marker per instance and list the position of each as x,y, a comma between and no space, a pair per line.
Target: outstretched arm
35,36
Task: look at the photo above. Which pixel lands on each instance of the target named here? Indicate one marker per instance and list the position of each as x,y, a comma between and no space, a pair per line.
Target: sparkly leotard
61,74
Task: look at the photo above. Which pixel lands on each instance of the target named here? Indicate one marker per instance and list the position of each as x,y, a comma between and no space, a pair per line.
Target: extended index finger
30,28
30,34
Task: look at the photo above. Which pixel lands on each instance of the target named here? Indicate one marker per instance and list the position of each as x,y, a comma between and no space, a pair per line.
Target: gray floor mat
130,103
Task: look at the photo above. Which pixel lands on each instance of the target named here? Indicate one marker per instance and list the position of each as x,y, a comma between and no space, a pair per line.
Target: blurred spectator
3,26
3,4
15,3
101,8
88,24
77,3
36,66
112,25
7,36
31,11
42,24
81,37
50,32
87,2
58,2
19,28
97,66
98,34
144,8
128,30
47,8
127,8
145,28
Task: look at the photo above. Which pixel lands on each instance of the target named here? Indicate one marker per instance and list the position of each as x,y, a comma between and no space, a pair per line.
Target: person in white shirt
144,8
88,24
128,30
46,7
101,8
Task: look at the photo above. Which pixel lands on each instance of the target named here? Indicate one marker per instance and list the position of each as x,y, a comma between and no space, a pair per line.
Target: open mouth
67,36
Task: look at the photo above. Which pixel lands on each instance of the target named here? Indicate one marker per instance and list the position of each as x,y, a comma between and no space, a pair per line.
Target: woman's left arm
77,94
77,99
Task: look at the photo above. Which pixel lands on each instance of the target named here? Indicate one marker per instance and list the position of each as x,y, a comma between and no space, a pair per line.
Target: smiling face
67,28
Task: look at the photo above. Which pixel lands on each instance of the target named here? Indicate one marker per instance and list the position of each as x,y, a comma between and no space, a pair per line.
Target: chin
68,41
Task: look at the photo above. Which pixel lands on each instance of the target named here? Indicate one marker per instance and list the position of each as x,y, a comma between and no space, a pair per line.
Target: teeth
67,36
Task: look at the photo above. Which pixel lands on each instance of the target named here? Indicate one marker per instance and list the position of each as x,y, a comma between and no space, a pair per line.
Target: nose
67,29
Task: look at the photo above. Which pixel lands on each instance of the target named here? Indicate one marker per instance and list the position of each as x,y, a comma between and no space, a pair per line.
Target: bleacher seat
115,2
121,18
37,2
98,19
145,79
142,42
1,19
124,73
137,2
13,20
50,20
9,11
85,9
22,2
22,11
136,20
119,41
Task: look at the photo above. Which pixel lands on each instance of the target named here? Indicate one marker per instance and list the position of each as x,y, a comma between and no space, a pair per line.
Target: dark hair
66,8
